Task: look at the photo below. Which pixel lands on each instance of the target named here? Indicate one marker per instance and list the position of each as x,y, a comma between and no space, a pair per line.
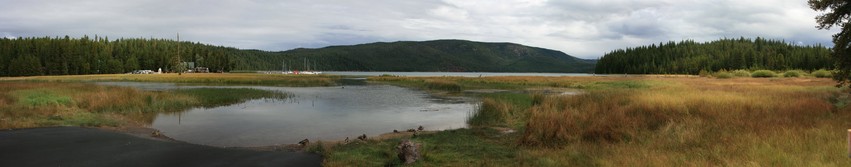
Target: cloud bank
586,29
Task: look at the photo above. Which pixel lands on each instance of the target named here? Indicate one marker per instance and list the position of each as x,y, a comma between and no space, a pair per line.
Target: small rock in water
395,131
421,128
408,151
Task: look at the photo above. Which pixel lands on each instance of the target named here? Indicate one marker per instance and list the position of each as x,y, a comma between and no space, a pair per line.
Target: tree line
99,55
690,57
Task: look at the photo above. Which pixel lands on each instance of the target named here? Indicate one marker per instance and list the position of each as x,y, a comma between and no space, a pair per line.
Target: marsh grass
513,82
442,85
661,122
698,122
40,104
215,97
491,113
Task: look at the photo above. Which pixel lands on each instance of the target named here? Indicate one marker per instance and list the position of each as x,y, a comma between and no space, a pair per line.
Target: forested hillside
689,57
437,55
99,55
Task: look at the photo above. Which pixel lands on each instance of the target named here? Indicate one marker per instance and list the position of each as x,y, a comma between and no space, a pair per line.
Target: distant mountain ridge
99,55
435,55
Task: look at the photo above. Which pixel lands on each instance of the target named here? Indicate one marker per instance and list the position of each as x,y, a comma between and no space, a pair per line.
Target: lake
315,113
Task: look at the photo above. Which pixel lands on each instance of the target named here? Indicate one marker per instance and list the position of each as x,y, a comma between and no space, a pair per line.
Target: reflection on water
316,113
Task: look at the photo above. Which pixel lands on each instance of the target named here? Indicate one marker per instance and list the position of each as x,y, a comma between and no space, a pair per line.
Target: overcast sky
582,28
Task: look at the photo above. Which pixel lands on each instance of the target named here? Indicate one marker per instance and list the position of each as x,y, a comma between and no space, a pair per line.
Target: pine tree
837,14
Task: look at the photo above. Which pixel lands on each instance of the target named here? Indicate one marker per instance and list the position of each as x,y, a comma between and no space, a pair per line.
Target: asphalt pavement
77,146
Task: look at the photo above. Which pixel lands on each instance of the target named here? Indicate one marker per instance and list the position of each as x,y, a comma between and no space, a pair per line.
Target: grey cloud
583,28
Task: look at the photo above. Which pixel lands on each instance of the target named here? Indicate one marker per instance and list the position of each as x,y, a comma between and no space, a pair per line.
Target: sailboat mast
179,61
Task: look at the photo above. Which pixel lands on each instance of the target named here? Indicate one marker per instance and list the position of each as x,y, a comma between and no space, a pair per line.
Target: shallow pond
315,113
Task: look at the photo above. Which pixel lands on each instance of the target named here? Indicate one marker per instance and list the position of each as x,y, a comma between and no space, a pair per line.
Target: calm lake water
315,113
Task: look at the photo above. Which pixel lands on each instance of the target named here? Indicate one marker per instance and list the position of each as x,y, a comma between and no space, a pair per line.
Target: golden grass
657,121
90,105
694,122
492,113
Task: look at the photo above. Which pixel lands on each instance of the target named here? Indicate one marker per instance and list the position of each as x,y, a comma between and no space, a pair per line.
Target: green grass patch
42,97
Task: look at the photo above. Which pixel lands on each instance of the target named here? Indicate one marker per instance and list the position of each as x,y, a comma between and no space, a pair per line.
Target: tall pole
179,62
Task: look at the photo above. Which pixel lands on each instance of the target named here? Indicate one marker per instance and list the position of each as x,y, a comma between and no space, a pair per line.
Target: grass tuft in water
214,97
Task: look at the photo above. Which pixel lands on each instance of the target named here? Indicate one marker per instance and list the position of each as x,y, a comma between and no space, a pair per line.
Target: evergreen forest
100,55
690,57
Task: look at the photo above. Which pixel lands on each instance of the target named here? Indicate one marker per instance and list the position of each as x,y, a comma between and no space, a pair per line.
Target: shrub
704,73
822,73
723,74
792,73
742,73
763,74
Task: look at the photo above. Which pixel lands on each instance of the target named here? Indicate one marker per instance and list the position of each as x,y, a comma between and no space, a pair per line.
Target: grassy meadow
612,121
44,104
632,121
195,78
